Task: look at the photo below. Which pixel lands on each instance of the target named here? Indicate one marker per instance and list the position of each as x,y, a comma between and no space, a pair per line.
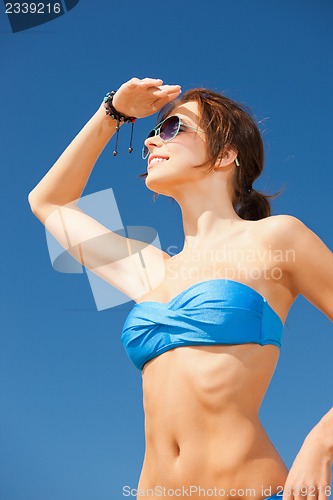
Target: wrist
322,436
326,428
106,126
116,113
115,118
105,117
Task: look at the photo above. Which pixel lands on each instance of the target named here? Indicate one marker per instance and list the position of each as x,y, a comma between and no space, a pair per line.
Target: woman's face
178,156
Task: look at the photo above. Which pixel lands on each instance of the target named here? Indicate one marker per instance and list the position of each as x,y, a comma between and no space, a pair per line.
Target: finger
154,82
132,83
287,493
164,89
170,88
145,82
168,98
324,492
167,94
308,492
173,95
302,496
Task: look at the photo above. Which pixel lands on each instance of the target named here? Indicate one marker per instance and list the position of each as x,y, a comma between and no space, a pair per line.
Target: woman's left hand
310,476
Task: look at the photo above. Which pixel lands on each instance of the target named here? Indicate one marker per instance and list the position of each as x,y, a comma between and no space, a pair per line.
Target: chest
244,260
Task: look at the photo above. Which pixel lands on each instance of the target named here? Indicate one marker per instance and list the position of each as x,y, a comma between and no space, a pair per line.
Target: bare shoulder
280,229
281,221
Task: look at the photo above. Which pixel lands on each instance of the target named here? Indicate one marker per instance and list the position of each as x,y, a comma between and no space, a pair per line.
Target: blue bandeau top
217,311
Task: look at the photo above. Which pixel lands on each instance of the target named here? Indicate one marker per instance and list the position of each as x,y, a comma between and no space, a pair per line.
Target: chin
157,186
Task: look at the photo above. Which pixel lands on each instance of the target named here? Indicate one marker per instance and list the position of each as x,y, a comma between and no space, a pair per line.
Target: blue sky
71,410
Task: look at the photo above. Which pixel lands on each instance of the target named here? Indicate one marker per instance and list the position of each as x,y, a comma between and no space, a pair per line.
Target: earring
237,162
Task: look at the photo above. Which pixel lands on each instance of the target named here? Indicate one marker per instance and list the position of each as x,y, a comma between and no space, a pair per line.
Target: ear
226,158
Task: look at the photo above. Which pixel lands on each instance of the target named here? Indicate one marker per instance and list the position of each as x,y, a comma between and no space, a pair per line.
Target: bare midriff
202,403
202,423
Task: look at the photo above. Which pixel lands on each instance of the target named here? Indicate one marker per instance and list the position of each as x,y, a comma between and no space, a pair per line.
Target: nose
150,142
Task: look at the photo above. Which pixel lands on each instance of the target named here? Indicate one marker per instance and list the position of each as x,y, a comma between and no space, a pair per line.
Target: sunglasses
167,130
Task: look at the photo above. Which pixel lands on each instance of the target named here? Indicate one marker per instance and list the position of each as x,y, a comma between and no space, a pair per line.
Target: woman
206,327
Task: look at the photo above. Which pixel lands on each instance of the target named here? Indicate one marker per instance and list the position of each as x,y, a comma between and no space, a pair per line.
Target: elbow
40,208
32,202
37,207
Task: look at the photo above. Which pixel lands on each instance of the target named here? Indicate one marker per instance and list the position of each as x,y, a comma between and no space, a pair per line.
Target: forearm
66,180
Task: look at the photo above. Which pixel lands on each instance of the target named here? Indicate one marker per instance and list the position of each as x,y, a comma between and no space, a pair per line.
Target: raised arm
54,200
66,180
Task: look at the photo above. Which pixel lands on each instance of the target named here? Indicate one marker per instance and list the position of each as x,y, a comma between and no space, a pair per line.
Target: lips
155,159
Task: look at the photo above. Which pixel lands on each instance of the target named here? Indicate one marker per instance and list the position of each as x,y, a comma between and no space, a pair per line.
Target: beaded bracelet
115,115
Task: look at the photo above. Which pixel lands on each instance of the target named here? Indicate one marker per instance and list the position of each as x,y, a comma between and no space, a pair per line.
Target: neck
206,216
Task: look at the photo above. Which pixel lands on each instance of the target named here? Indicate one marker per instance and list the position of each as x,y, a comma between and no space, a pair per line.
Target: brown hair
228,124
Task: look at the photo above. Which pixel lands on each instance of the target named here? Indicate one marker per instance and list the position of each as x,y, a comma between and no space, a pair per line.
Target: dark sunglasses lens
169,128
